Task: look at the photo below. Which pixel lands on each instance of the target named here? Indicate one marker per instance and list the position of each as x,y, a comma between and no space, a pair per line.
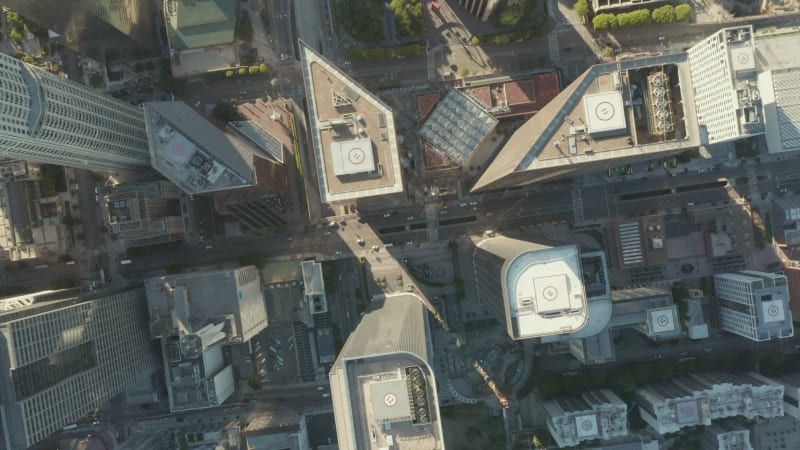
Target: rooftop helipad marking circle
587,425
743,58
662,320
356,155
773,311
687,412
390,399
604,111
550,293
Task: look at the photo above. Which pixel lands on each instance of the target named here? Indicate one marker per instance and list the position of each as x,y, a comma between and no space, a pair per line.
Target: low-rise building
592,415
697,399
728,434
146,213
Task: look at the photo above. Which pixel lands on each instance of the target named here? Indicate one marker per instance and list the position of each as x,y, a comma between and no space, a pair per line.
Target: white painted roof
604,112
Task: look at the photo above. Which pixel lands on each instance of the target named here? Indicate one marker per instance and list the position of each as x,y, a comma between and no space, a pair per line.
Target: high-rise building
92,26
697,399
538,291
593,415
62,358
50,120
482,9
382,385
726,95
754,304
638,109
195,315
353,134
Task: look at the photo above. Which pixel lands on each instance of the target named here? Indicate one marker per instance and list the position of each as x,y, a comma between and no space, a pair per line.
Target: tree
16,36
263,68
252,70
228,73
604,22
242,71
623,20
464,72
581,8
664,14
683,13
475,40
640,17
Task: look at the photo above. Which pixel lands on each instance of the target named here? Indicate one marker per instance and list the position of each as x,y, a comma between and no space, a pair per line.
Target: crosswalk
752,181
431,217
431,66
577,202
552,41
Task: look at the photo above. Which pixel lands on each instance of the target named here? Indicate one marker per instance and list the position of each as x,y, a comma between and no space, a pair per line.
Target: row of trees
664,14
252,70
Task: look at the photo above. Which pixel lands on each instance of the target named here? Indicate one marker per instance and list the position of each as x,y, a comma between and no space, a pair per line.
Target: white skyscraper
46,119
60,359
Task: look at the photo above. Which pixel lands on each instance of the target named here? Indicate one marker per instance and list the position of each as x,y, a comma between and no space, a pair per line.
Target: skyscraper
46,119
534,290
61,359
91,26
382,385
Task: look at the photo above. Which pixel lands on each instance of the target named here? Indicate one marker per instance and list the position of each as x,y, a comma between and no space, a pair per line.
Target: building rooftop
727,100
382,386
506,98
200,23
314,287
779,90
545,293
457,126
260,137
696,399
192,153
353,133
189,302
593,415
626,109
768,296
197,376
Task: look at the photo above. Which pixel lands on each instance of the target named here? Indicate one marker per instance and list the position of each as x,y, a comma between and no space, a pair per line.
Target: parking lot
273,357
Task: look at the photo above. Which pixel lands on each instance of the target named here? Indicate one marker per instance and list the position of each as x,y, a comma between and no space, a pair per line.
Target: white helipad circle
604,111
773,311
356,155
550,293
662,320
743,58
687,412
390,400
587,425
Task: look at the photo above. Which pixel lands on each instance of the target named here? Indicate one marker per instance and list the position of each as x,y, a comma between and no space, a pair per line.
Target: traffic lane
38,279
673,201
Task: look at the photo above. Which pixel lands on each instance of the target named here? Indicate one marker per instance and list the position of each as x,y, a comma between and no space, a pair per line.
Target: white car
387,215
